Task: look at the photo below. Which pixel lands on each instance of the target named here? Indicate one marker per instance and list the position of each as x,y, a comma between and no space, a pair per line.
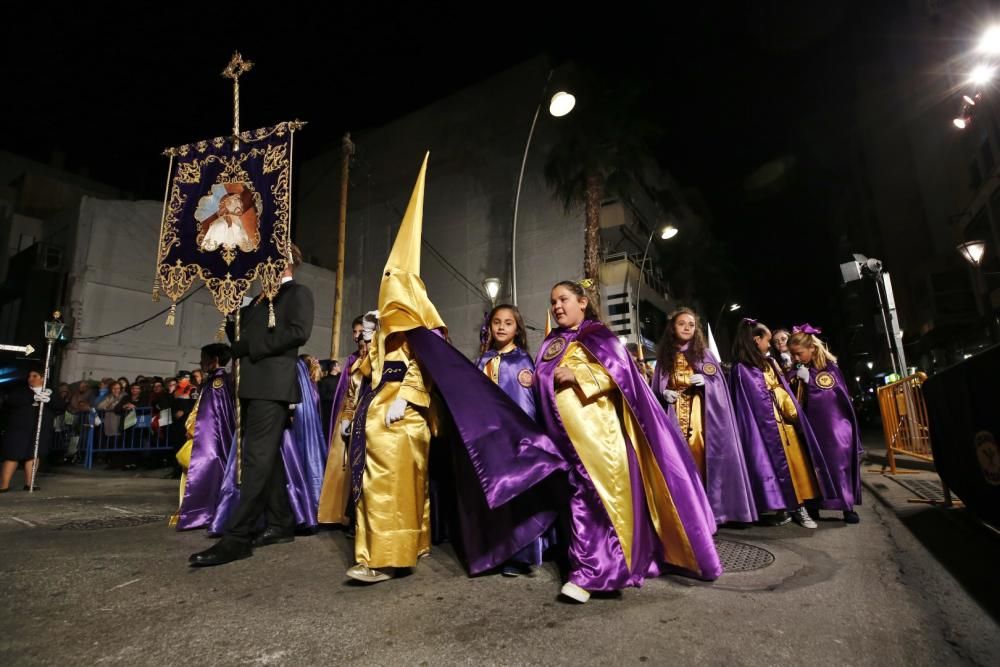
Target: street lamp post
732,307
559,105
53,329
974,252
492,287
666,232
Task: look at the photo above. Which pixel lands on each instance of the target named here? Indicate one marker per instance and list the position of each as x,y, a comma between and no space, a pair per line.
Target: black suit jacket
268,356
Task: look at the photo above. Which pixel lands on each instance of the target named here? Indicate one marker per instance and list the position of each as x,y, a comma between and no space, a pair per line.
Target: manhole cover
740,557
128,521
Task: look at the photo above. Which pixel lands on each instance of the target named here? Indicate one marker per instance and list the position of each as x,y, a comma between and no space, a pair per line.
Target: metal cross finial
236,68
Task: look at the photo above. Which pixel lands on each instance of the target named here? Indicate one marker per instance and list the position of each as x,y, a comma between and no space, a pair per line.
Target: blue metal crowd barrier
91,434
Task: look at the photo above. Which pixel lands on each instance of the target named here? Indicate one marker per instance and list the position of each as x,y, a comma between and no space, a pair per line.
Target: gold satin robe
596,419
690,410
183,457
394,511
337,477
803,477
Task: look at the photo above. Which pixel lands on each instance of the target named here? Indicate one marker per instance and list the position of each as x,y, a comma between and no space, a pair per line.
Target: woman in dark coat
17,443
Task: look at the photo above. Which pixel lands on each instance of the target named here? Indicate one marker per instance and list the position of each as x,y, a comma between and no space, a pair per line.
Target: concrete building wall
111,279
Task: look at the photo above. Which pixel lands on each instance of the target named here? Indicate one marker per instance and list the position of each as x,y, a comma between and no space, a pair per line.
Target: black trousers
264,484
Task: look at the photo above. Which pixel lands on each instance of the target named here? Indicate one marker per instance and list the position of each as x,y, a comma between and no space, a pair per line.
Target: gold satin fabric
394,512
596,420
183,457
690,410
803,477
336,477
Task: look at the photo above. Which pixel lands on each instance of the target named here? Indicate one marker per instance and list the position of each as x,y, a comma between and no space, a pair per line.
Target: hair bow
750,321
806,329
484,330
586,283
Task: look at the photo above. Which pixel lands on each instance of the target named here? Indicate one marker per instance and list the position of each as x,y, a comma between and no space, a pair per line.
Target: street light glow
982,75
562,103
973,251
492,287
669,232
734,307
871,365
990,41
968,100
960,123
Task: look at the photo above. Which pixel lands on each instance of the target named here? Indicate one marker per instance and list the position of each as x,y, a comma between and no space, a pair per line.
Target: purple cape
506,456
597,562
339,394
828,408
303,454
213,433
726,481
767,464
516,371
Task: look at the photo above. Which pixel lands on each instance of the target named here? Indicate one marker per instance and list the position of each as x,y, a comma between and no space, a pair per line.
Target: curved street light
667,232
560,104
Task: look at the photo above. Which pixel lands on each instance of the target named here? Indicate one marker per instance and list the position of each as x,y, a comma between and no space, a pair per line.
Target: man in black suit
268,386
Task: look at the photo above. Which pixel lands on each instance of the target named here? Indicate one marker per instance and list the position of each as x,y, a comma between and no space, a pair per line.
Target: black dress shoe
224,551
273,536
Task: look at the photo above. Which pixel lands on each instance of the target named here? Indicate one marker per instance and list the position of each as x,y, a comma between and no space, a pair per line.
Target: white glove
368,328
42,394
803,373
697,380
670,396
396,411
345,428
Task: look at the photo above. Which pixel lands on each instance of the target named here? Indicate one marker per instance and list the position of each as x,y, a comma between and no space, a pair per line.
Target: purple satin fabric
727,483
832,419
516,369
766,462
503,469
512,364
339,394
597,562
213,433
303,453
311,446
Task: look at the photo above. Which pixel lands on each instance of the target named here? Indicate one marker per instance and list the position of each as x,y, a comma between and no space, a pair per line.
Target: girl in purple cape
690,384
822,391
635,506
505,360
785,463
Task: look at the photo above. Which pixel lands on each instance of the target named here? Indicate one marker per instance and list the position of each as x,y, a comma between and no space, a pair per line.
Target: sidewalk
964,545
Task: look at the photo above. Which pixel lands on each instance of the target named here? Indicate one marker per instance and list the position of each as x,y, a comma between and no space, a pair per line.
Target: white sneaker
801,516
369,576
574,592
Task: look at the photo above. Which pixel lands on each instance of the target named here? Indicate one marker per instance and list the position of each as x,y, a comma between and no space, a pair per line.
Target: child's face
567,308
684,327
763,341
781,341
801,354
503,327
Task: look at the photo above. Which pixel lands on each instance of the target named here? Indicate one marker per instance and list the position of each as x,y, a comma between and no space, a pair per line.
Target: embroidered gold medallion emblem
525,378
825,380
554,349
709,369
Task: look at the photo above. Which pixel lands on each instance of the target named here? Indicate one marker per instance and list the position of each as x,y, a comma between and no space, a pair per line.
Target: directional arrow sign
27,349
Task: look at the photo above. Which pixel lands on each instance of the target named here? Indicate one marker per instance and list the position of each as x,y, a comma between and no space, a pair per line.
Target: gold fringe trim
171,316
271,323
220,334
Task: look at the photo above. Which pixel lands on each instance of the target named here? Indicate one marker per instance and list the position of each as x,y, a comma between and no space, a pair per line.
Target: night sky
733,87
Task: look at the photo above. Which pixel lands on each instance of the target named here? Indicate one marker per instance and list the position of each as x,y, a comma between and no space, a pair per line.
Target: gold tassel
171,315
220,335
271,323
156,290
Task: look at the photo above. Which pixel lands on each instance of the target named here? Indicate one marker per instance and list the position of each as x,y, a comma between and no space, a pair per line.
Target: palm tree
604,149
